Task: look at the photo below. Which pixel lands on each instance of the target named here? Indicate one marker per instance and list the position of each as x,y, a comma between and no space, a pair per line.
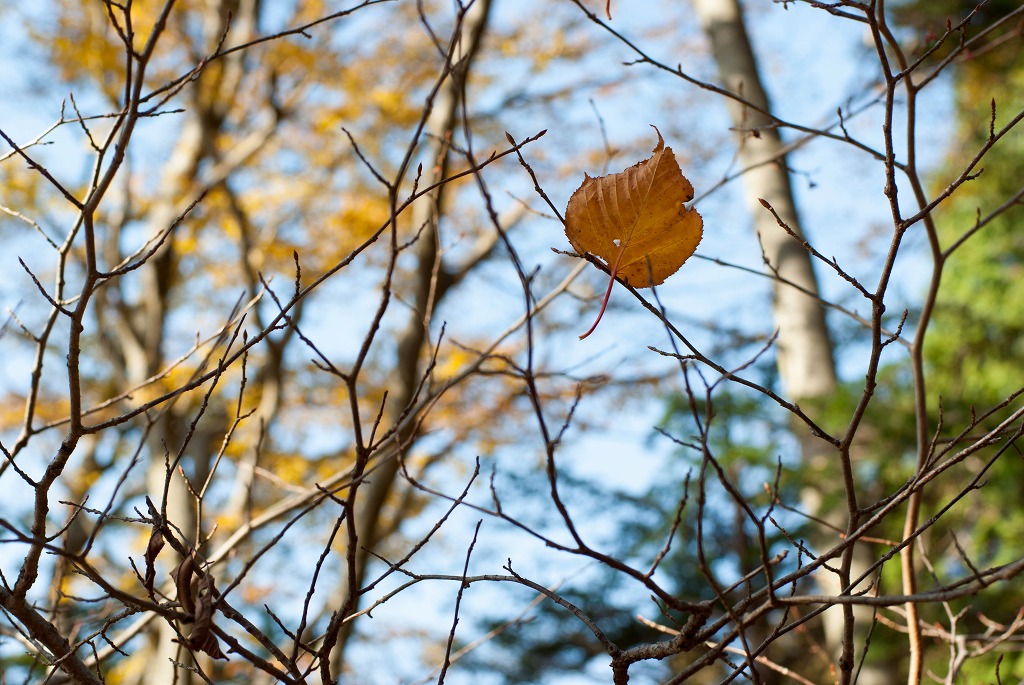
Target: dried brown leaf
636,221
156,543
202,638
182,575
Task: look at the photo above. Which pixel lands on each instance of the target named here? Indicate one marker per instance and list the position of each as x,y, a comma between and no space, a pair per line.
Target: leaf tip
661,141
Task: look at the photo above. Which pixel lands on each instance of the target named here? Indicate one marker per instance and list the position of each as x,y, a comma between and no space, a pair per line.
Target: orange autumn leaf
636,221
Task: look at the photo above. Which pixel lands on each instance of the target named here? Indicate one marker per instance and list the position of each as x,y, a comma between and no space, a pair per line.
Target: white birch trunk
803,349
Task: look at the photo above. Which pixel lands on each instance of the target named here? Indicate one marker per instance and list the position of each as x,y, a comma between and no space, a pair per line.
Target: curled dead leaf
636,221
156,543
202,638
182,576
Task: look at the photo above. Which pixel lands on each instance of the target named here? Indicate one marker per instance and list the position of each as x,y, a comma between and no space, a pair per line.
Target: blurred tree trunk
141,330
140,323
428,284
803,349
